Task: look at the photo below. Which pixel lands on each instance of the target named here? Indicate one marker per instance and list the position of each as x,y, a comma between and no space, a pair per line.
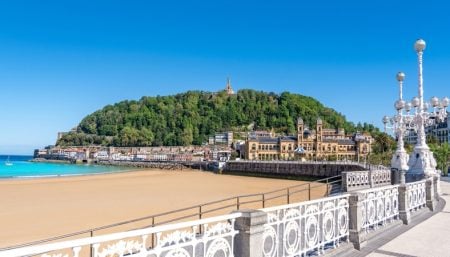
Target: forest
189,118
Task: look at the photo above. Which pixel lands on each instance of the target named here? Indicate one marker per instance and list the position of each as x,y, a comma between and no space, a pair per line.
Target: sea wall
290,168
152,165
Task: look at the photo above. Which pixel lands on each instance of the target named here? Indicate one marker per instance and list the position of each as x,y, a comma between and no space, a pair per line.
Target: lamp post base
399,160
422,162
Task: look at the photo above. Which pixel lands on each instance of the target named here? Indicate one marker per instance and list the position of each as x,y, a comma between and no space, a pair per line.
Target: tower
300,130
319,132
228,88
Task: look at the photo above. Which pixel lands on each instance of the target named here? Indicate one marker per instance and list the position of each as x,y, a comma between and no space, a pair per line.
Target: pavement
425,237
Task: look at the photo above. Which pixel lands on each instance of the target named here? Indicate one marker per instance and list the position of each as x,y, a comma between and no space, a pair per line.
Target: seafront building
311,144
440,131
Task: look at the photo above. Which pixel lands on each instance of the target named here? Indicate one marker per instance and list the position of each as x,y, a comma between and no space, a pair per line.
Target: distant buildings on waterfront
440,131
156,154
308,144
311,144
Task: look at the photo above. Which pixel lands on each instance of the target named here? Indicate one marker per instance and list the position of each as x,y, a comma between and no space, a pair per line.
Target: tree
383,143
442,155
383,149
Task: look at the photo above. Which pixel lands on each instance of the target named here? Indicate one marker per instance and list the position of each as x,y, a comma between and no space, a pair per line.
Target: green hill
189,118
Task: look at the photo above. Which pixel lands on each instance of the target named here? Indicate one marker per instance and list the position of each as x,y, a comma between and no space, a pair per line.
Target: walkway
429,238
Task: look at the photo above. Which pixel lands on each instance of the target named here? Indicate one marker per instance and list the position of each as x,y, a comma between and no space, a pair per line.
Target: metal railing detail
380,205
176,240
355,180
305,228
416,196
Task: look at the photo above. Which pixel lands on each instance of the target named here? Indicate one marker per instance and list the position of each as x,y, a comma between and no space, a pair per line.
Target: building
318,144
440,131
221,138
228,88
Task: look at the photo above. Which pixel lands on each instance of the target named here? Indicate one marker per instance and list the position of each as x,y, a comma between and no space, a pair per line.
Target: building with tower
228,88
310,144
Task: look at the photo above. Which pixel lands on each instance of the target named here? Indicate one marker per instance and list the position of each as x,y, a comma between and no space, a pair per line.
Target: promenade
429,238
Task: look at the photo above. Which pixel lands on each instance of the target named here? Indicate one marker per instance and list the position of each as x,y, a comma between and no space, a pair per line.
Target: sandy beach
34,209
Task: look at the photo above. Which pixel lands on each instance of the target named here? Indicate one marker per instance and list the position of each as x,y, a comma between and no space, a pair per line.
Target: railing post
288,196
437,185
263,201
237,203
153,234
249,241
357,234
371,179
344,176
309,191
429,191
91,249
403,204
200,217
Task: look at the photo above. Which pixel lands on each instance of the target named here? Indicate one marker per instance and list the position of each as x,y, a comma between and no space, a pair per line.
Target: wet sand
34,209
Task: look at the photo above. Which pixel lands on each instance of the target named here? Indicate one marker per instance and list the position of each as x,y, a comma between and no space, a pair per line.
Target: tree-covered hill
189,118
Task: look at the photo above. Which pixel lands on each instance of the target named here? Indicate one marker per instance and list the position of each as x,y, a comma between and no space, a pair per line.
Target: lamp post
400,158
421,162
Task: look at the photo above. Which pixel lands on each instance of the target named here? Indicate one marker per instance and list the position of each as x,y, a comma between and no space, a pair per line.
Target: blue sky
61,60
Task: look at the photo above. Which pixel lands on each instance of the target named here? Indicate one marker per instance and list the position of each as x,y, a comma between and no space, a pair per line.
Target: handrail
114,236
200,210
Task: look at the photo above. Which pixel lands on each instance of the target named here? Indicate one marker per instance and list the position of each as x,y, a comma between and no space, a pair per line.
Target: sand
34,209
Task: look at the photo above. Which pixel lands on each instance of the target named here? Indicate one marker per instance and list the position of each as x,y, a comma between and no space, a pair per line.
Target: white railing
379,206
354,180
416,195
177,240
380,177
305,228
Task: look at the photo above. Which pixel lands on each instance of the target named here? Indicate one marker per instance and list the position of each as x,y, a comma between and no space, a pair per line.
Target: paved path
431,238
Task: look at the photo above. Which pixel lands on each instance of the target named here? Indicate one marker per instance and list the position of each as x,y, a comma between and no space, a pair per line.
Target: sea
22,168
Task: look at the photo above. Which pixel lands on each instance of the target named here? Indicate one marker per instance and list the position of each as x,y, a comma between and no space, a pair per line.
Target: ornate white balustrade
177,240
356,180
379,206
380,177
299,229
416,195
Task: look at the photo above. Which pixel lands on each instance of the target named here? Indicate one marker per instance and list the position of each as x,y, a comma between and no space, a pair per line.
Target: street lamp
421,162
400,158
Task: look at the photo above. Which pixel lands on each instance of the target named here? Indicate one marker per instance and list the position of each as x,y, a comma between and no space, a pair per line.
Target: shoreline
123,167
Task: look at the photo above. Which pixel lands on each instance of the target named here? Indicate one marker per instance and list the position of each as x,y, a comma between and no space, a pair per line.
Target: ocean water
22,167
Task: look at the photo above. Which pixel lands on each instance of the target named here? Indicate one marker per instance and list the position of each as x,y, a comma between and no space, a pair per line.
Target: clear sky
61,60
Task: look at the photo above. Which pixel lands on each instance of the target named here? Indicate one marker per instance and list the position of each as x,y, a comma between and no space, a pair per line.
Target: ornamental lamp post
421,161
400,158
